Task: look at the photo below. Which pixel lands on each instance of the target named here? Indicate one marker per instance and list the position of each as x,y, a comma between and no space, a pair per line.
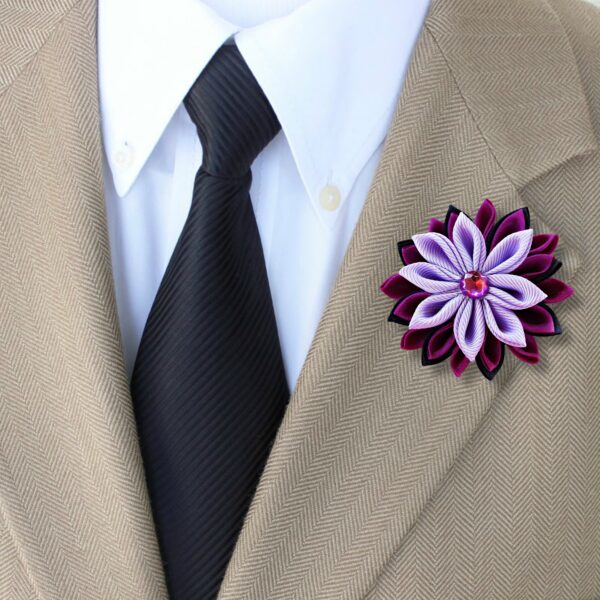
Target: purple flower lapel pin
470,288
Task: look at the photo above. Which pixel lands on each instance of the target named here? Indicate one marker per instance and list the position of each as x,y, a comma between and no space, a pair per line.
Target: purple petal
556,290
396,287
409,253
513,222
509,253
436,226
469,328
439,346
437,249
535,265
514,292
469,242
436,309
458,362
405,308
485,217
503,324
430,278
544,243
413,339
491,355
539,320
530,353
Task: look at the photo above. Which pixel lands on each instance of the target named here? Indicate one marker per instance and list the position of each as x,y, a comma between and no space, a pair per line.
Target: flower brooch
470,288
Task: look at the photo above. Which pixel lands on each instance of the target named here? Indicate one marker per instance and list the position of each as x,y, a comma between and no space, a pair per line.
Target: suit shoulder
581,22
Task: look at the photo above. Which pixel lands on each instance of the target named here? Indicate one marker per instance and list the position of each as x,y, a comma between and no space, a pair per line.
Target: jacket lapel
73,497
370,434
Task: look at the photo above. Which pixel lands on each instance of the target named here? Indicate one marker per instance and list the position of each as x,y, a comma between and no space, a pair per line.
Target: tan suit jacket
388,480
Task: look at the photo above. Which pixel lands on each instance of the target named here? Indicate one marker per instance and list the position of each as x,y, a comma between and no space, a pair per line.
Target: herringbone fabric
208,385
387,480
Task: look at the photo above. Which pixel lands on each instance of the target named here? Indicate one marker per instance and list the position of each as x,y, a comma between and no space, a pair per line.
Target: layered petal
436,309
430,278
513,222
413,339
491,356
437,226
458,362
469,328
408,252
485,217
404,309
556,290
439,345
450,221
539,320
396,287
536,266
509,253
530,353
470,243
503,324
437,249
514,292
544,243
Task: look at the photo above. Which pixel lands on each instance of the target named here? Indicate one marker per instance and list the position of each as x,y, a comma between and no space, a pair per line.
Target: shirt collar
332,70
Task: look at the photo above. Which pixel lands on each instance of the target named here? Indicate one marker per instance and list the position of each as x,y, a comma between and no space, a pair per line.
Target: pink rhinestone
474,284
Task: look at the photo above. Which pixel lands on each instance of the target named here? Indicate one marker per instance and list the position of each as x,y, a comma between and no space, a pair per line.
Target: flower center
474,284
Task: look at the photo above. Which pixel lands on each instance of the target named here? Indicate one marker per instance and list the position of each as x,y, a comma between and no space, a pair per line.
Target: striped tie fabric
208,385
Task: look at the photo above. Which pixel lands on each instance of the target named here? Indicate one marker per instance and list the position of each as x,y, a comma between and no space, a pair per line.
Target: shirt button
330,197
124,157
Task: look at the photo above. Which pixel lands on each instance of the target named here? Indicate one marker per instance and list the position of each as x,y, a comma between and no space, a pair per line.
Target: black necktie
208,385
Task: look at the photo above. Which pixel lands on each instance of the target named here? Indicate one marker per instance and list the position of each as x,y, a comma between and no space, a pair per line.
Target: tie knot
232,114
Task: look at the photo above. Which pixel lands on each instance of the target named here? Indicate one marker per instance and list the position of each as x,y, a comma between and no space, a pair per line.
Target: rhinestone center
474,284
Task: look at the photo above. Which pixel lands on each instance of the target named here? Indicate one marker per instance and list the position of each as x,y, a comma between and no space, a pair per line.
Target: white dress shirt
332,70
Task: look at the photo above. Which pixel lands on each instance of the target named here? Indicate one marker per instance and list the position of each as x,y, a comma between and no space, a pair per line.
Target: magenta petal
396,287
530,353
485,217
491,354
458,362
409,253
534,265
404,309
539,320
440,345
509,253
469,328
470,243
413,339
450,223
436,226
544,243
556,290
513,222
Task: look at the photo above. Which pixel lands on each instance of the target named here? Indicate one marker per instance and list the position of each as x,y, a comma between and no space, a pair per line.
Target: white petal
514,292
469,242
504,324
509,253
435,310
437,249
431,278
469,328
